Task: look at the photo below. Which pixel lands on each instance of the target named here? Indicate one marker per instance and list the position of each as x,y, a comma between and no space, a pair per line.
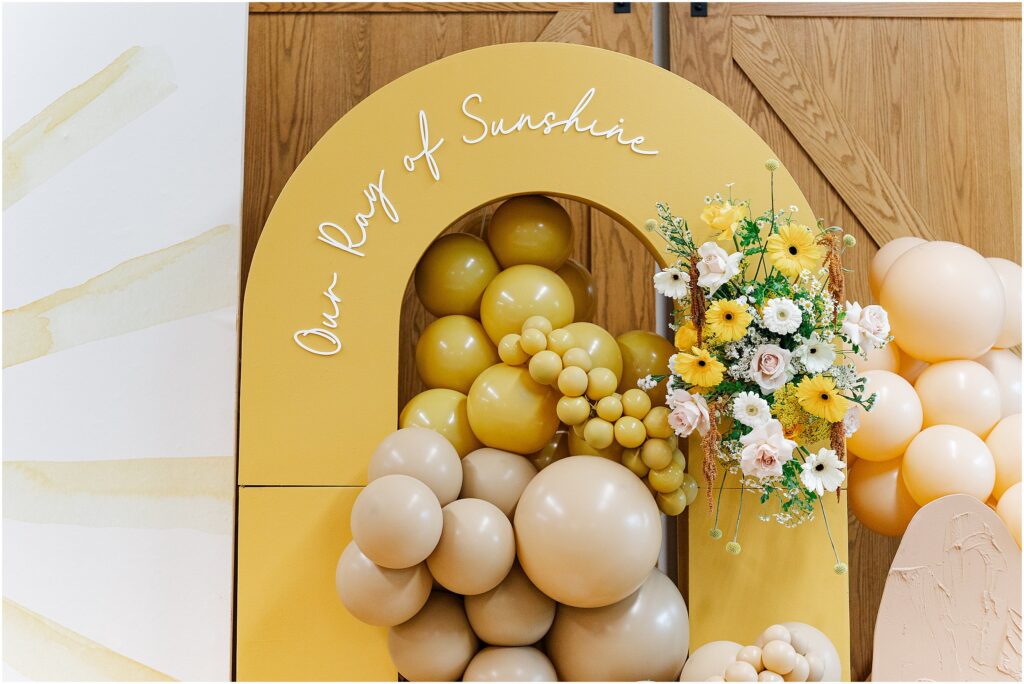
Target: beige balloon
884,258
887,358
522,664
588,532
962,393
1010,275
1004,442
1008,509
396,521
436,645
879,498
644,636
946,459
514,613
710,660
894,420
476,550
422,454
1006,367
815,641
496,476
910,368
380,596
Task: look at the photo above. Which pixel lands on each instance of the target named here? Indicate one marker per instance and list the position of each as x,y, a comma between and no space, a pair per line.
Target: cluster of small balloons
790,652
485,569
947,417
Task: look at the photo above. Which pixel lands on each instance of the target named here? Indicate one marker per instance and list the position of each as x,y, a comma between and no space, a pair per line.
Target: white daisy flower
750,409
672,282
815,354
782,316
822,472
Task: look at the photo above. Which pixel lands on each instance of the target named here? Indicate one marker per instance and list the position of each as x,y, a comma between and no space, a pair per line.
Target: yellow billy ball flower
728,320
725,217
793,249
699,368
686,336
819,397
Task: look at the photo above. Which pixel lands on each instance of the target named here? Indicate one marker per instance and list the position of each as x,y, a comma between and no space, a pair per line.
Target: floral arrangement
763,372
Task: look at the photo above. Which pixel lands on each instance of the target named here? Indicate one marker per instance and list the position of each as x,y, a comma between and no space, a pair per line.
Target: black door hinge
622,7
698,9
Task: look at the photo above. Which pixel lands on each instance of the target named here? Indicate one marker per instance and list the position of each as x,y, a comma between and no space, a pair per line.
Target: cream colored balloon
588,532
452,351
422,454
779,656
710,660
878,496
1006,366
508,410
531,229
436,645
396,521
380,596
894,420
946,459
1010,274
962,393
887,358
801,670
522,664
476,549
1008,509
817,642
910,368
740,671
1004,442
445,411
928,282
581,283
599,344
514,613
884,258
520,292
496,476
643,637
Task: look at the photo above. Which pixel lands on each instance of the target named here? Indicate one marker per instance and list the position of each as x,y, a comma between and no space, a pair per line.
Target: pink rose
689,413
867,327
769,367
765,450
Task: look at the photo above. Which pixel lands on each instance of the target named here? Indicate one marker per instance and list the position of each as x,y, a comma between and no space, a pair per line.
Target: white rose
689,413
716,267
867,327
769,367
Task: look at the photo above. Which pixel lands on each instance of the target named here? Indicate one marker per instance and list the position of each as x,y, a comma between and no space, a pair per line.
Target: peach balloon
444,411
1004,442
812,640
928,282
522,664
452,351
509,410
946,459
453,273
581,284
1006,366
556,449
887,358
1008,509
644,353
396,521
522,291
962,393
894,420
884,258
496,476
645,636
879,498
476,549
531,229
436,645
588,531
910,368
380,596
710,660
514,613
422,454
1010,274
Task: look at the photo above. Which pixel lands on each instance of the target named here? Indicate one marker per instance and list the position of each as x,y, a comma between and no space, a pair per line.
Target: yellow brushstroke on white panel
150,493
84,117
191,277
43,650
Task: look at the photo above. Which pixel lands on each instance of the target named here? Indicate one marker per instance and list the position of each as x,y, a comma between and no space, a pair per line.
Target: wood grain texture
400,7
892,10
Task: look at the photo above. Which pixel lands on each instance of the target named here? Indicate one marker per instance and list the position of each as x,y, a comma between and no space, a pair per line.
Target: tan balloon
910,368
444,411
710,660
496,476
946,459
1008,509
884,258
962,393
476,549
514,613
452,351
522,664
581,284
644,353
574,541
929,281
887,358
422,454
531,229
1006,366
556,449
645,636
396,521
522,291
436,645
879,498
380,596
453,273
895,419
1010,275
509,410
599,344
1004,442
817,642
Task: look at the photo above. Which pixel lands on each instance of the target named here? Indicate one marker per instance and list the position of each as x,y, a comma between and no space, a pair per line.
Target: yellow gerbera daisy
793,249
686,336
699,368
725,217
728,320
819,397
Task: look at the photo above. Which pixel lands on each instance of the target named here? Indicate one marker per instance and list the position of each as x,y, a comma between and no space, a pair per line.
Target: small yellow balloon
599,343
672,503
560,341
520,292
598,433
581,283
533,340
644,353
452,351
656,422
690,488
572,381
631,459
636,403
531,229
609,408
443,411
538,323
629,432
601,383
579,447
668,479
573,410
545,367
656,453
677,455
508,410
577,357
510,350
556,449
453,273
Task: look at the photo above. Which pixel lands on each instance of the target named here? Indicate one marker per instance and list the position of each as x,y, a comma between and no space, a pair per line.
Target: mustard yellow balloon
609,408
531,229
1008,509
656,422
444,411
879,498
581,283
668,479
884,259
556,449
963,393
1005,444
946,459
560,341
453,273
452,351
599,344
579,447
573,410
895,419
656,453
545,367
636,403
572,381
599,433
630,432
644,353
508,410
631,459
533,340
510,350
520,292
600,383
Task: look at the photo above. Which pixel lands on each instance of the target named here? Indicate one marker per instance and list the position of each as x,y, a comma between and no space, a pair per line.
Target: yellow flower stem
718,505
827,530
739,514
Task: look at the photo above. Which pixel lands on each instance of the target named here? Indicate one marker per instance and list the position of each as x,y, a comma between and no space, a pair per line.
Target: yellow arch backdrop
322,303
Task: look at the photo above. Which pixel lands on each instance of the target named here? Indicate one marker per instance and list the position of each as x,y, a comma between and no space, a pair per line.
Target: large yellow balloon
644,353
519,292
879,498
962,393
1010,274
453,274
599,343
379,596
437,644
895,419
531,229
443,411
452,351
884,258
1006,366
508,410
556,449
944,302
1005,444
581,284
1008,509
946,459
